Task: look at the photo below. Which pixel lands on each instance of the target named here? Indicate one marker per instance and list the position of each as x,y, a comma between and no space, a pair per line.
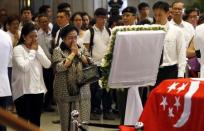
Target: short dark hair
67,29
145,21
161,5
42,15
27,28
43,9
84,14
142,5
100,11
26,8
190,10
63,5
130,9
67,13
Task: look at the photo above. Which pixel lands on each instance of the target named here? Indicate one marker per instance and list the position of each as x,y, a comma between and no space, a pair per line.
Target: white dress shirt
27,76
5,53
174,49
100,40
187,29
50,26
199,45
44,40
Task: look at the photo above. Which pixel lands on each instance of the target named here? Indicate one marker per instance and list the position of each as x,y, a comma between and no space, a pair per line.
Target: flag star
171,113
172,87
179,89
177,103
164,102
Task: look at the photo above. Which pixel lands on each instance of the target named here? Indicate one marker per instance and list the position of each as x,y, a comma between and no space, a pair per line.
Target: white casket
135,63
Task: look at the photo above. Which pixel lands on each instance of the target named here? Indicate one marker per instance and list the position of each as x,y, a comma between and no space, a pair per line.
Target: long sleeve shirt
44,40
5,53
174,49
27,75
199,45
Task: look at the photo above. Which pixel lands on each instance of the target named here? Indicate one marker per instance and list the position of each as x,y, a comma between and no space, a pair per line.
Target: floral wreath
107,60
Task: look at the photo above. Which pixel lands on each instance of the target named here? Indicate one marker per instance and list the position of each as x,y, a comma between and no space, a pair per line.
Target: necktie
58,38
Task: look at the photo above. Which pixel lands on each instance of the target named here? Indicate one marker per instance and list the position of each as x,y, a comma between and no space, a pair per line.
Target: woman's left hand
74,49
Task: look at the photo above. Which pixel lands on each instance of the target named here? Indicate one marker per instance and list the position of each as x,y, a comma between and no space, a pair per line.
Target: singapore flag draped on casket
175,105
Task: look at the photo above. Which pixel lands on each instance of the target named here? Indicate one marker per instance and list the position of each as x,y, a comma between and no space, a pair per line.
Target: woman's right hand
16,35
34,46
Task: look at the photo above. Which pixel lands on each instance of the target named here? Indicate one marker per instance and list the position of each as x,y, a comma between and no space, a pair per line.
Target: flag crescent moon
187,104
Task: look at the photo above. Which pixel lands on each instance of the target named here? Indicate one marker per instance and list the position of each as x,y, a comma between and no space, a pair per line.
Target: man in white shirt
46,9
177,19
5,53
44,40
199,42
14,33
173,60
98,50
187,28
129,18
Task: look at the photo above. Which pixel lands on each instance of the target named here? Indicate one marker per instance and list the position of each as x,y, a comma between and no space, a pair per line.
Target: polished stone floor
47,124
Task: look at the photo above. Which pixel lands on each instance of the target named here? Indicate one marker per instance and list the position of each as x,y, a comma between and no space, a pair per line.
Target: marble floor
47,124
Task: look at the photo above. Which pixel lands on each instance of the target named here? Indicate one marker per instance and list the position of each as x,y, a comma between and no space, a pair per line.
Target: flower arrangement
107,60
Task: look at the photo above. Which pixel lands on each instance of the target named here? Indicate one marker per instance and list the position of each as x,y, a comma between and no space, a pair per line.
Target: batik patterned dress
67,94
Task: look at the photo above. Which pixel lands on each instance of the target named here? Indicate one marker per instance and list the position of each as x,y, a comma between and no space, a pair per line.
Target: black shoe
108,116
49,109
95,116
56,121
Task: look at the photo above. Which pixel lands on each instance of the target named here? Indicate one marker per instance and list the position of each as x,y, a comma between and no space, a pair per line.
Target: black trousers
10,99
121,102
107,100
168,72
29,107
48,79
4,101
99,95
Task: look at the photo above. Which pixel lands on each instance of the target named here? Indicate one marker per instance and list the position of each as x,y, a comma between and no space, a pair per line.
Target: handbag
91,73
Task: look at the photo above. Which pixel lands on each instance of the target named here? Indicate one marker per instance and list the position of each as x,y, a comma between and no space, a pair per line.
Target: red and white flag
175,105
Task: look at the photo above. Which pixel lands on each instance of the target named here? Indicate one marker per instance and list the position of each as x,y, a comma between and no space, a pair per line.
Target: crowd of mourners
42,58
